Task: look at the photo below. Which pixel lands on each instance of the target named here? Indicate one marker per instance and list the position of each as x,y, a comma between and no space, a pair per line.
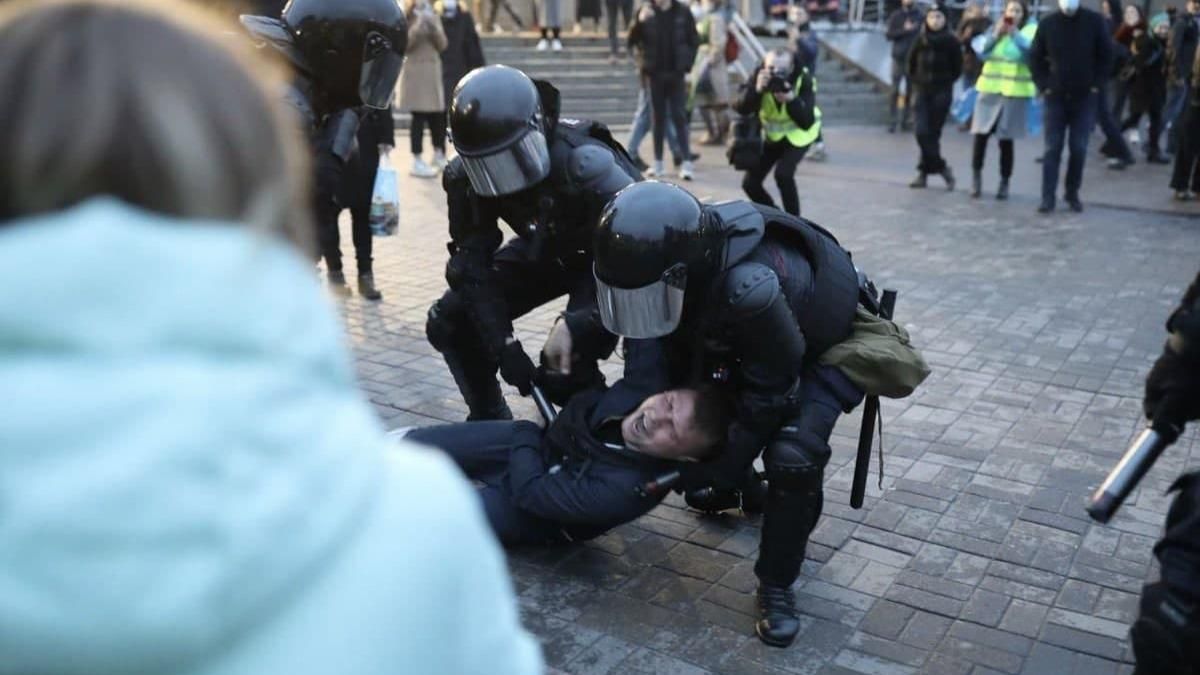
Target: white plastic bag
385,200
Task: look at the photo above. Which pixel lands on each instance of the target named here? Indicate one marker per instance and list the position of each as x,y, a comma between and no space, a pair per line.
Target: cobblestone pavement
976,556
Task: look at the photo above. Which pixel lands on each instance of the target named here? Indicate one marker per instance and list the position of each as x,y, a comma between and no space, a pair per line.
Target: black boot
337,283
1002,191
977,184
778,621
920,181
366,287
948,176
713,500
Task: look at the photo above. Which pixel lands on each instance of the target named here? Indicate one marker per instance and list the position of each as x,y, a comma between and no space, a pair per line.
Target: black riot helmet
653,238
498,128
352,49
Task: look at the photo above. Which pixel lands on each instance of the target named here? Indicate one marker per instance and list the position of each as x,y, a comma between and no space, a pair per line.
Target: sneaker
497,30
656,170
542,45
687,172
577,29
422,170
1182,196
366,287
1074,204
818,153
556,45
1046,206
1119,163
439,160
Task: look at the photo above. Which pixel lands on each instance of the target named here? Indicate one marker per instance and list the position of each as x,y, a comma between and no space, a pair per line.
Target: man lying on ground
583,475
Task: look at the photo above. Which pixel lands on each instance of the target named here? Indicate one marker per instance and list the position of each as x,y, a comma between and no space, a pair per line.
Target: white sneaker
543,45
656,169
439,159
578,29
422,170
496,29
687,171
556,45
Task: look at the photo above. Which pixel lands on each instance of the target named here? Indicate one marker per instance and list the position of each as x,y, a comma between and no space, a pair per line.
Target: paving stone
951,589
991,637
858,662
887,619
925,630
647,662
985,607
1045,659
601,658
1089,624
887,649
1081,641
1024,618
1078,595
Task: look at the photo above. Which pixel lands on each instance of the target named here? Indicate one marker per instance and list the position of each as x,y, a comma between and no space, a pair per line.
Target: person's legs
610,6
1006,158
1114,143
641,118
677,108
1055,135
659,101
785,176
978,154
752,182
1153,149
894,96
1082,117
939,110
437,131
415,132
480,449
795,460
1173,114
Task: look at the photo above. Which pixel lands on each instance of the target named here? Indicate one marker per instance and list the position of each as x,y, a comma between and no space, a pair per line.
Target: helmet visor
650,311
380,70
517,167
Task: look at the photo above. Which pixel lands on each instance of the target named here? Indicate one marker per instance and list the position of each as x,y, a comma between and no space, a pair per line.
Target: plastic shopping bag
1033,116
964,105
385,200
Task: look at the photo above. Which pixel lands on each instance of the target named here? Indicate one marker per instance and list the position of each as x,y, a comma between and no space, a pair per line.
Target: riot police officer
1166,635
347,55
756,295
548,177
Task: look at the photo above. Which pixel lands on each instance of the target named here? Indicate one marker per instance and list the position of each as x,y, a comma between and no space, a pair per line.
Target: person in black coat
463,51
934,64
902,28
1185,179
664,35
1147,79
376,136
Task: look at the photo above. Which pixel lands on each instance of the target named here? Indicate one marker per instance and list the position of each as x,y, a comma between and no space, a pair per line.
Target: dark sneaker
337,283
366,287
778,621
919,182
1074,204
1046,206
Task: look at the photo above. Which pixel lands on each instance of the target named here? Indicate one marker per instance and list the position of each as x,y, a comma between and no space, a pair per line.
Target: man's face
1193,7
663,4
665,426
779,64
907,3
935,20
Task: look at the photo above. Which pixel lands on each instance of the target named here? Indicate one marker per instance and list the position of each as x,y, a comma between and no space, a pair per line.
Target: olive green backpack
878,357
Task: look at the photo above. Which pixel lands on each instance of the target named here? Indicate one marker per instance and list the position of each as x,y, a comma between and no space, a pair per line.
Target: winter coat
1146,72
1181,48
1071,55
421,77
900,38
193,481
666,41
935,60
463,51
968,31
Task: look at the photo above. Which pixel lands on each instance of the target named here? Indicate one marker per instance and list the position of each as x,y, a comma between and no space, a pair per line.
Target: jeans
641,125
899,80
668,106
785,157
1070,120
626,9
1177,98
1114,142
931,108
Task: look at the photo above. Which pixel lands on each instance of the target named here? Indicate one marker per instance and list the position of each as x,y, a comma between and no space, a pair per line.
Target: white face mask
1068,6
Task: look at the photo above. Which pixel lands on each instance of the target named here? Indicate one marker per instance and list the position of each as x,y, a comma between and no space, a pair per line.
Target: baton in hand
1133,466
544,406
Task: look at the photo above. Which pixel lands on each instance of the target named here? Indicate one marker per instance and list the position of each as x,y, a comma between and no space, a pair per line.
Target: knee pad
796,459
441,322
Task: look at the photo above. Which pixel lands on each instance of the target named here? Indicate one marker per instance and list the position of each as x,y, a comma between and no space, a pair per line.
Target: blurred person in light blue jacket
190,481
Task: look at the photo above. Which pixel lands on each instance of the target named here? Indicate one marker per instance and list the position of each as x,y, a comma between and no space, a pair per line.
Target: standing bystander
1181,51
902,28
421,86
934,63
463,51
1186,178
1070,59
664,33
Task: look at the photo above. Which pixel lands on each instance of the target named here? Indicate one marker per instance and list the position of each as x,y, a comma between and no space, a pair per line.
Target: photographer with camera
1166,635
782,93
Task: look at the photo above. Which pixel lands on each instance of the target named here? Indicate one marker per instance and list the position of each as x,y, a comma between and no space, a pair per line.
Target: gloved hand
1175,381
516,367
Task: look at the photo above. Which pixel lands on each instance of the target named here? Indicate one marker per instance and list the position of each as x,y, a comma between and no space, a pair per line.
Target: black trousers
626,9
1070,121
1186,175
1153,109
436,121
795,460
525,283
979,153
931,108
358,184
784,157
668,103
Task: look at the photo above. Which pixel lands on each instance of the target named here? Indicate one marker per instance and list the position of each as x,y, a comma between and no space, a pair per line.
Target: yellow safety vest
1005,71
777,124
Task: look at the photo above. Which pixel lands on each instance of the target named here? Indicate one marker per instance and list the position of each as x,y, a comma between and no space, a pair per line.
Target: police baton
544,406
862,464
1134,464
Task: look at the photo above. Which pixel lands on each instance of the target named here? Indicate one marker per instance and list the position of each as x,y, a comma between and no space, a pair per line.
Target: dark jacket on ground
935,60
667,41
900,38
463,50
1181,48
967,32
802,108
1071,55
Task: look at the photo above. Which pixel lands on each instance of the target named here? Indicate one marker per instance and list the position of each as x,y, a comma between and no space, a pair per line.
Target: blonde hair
152,102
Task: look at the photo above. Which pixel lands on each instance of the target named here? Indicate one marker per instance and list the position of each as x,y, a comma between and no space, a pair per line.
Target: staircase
592,88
